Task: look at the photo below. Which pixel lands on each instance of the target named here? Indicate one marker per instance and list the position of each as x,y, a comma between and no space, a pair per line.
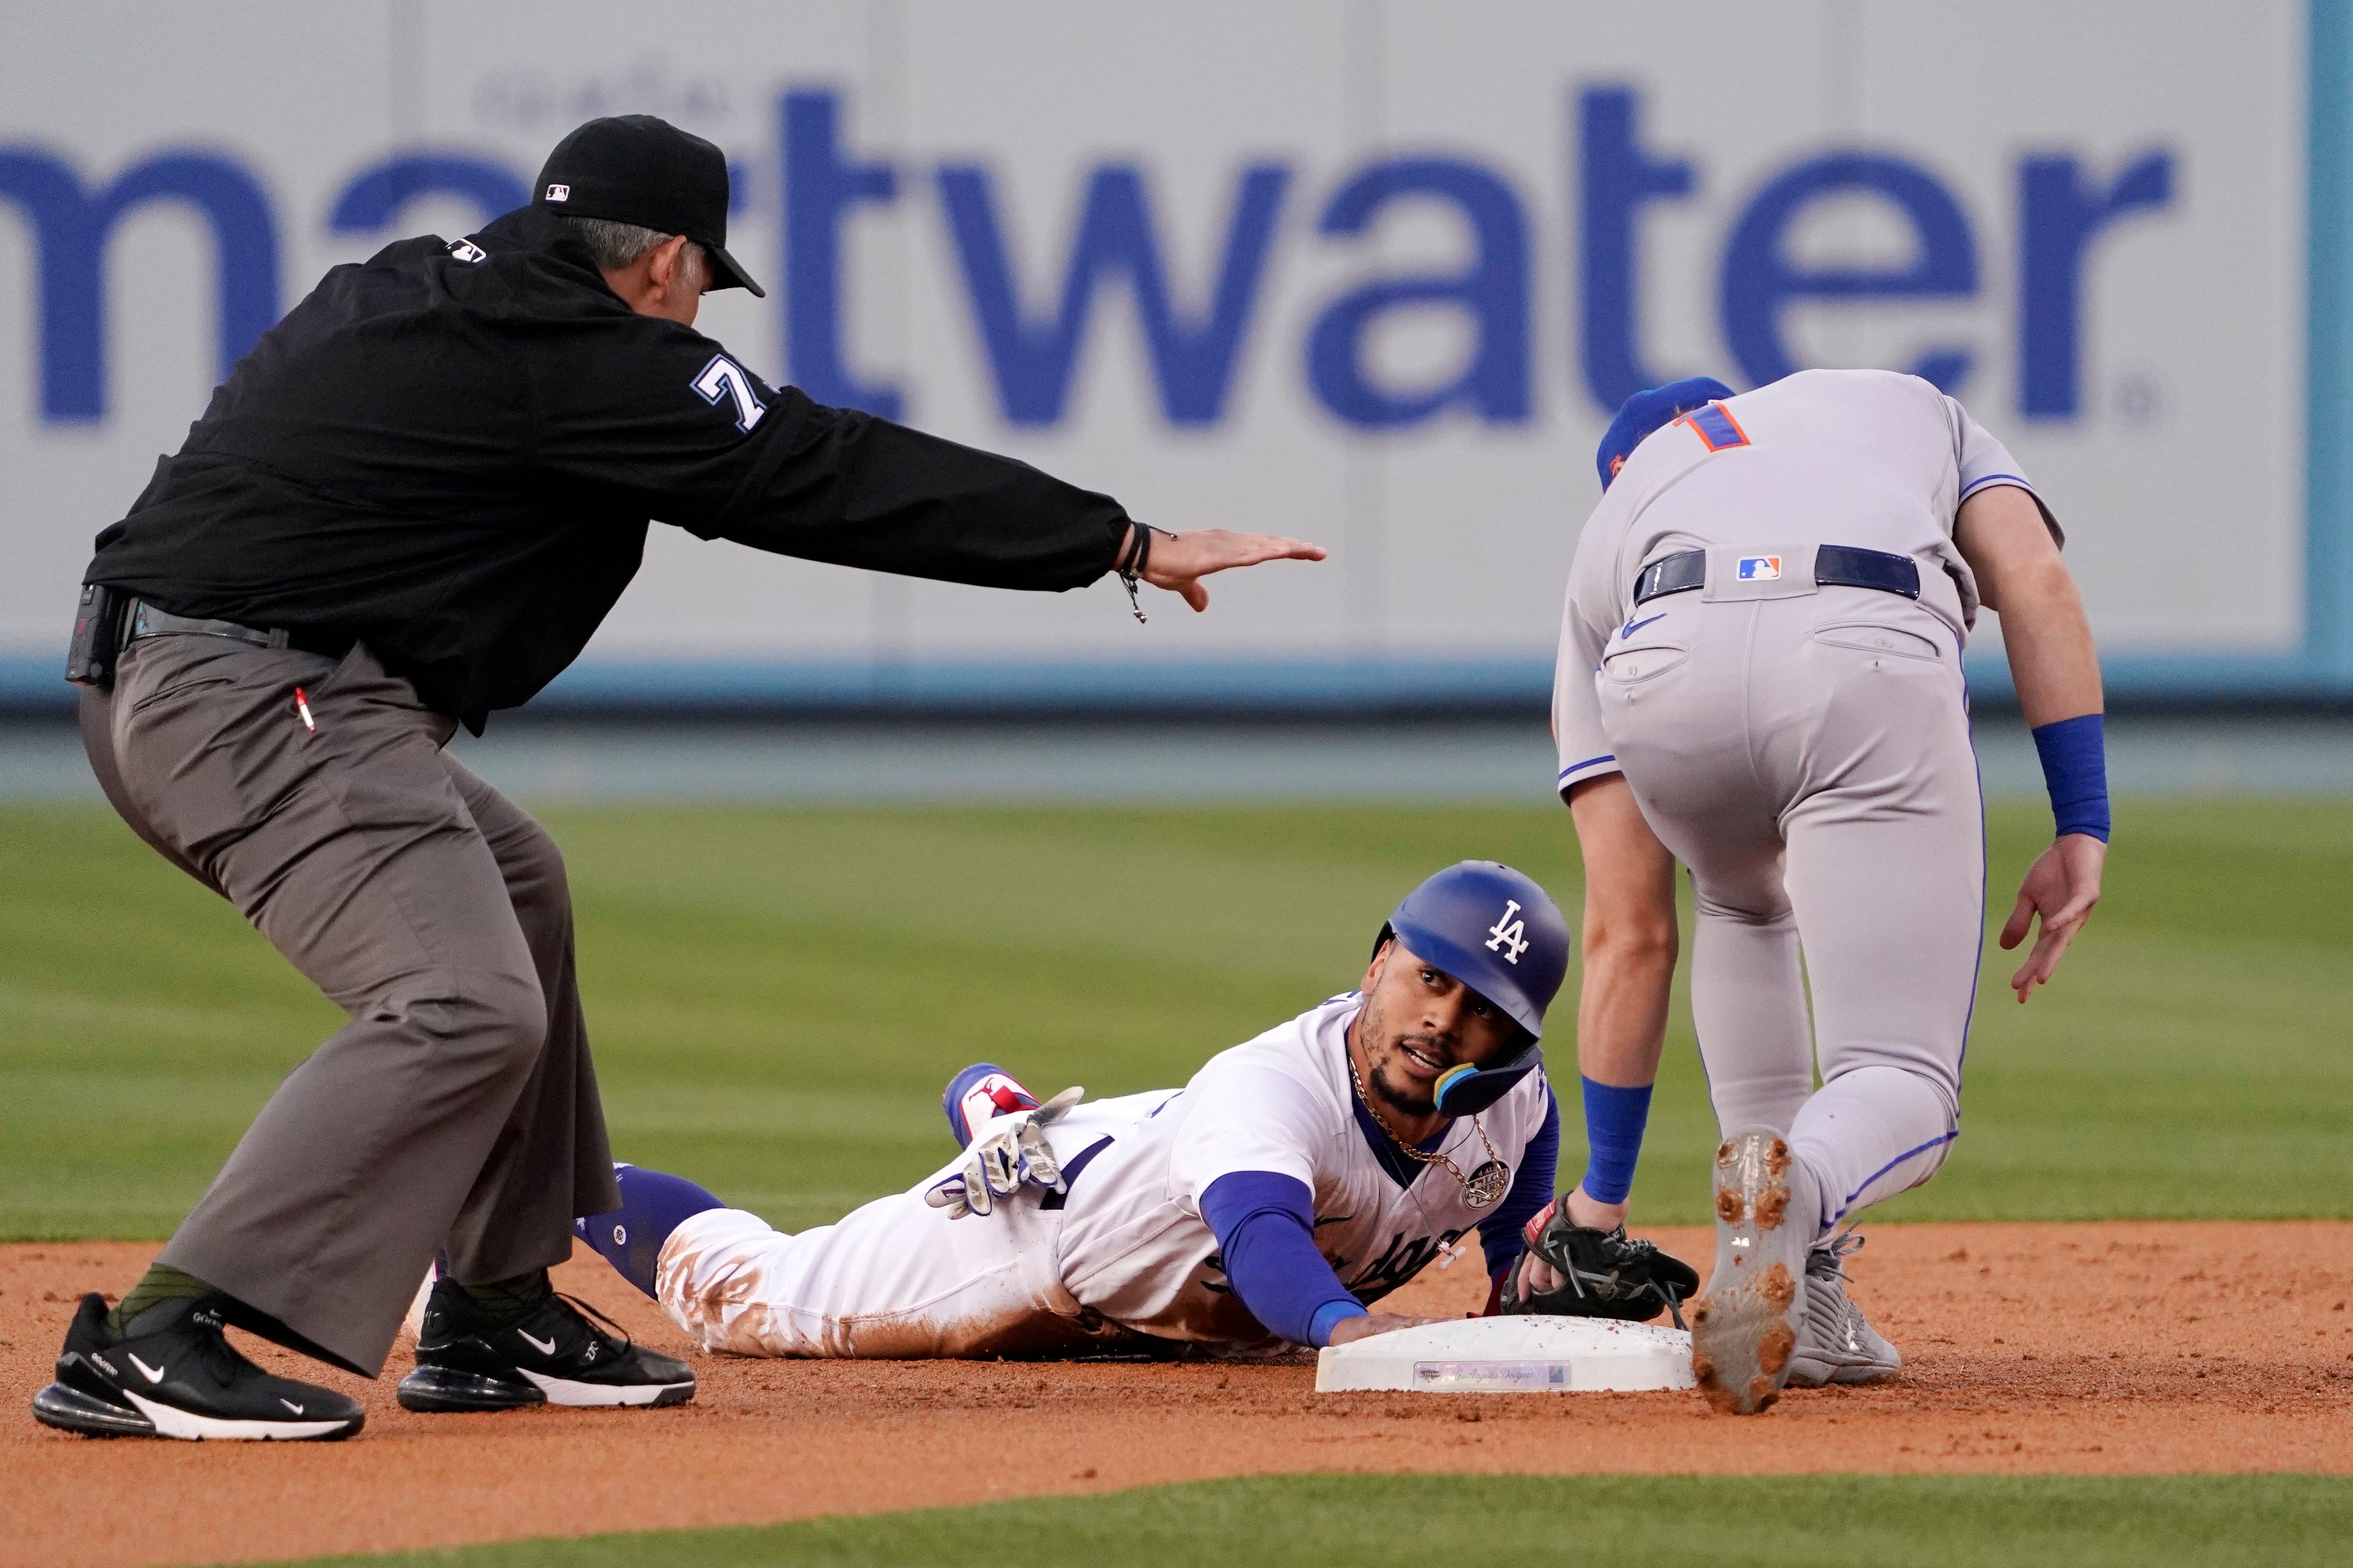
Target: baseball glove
1604,1273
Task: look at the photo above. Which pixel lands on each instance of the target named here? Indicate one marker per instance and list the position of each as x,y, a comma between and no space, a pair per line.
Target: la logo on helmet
1508,936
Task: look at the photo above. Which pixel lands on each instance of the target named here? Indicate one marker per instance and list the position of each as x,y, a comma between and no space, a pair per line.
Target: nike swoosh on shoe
545,1347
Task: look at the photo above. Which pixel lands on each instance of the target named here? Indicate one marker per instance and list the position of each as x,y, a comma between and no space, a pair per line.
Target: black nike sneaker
556,1355
175,1375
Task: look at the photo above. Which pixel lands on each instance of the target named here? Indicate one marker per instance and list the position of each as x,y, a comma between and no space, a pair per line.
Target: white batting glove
1012,1154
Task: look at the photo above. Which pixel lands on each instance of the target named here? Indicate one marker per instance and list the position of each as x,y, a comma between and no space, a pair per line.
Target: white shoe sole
1805,1373
562,1391
170,1421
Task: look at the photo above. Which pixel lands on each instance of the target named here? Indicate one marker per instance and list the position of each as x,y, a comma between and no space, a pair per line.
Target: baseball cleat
553,1355
1744,1330
1837,1345
980,1094
176,1375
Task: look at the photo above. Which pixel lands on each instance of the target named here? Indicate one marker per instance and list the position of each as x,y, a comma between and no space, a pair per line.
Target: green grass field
1681,1521
776,995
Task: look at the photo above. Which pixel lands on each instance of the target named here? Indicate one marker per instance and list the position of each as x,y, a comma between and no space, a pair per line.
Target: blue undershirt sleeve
1500,1234
1265,1226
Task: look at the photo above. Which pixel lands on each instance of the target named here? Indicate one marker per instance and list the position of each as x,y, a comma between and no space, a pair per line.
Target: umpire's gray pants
459,1107
1809,759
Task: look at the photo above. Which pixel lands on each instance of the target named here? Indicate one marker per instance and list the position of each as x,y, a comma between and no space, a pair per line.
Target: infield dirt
2142,1347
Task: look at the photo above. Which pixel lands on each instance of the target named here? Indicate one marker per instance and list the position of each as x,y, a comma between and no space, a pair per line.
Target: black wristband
1133,560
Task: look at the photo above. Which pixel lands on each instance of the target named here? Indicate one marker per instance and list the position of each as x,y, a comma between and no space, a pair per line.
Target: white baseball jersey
1871,459
1127,1249
1136,1249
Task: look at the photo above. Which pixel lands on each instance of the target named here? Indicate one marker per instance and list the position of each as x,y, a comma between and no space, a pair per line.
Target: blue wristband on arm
2075,755
1614,1119
1330,1316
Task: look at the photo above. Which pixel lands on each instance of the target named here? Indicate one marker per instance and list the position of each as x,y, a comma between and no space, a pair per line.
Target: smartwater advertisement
1376,274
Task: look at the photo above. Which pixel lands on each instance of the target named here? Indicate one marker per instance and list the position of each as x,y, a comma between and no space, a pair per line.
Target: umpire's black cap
637,169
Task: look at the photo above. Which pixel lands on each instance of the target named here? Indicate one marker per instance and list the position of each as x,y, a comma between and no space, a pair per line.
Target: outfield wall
1375,273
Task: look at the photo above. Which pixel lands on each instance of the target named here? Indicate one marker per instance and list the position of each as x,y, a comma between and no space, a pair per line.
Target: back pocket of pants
1865,637
1631,666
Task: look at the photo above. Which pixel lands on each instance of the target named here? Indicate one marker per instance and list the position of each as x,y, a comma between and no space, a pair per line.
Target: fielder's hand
1180,561
2062,886
1012,1153
1575,1271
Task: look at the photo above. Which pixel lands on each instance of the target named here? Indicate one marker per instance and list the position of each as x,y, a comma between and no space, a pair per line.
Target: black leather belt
1835,566
146,621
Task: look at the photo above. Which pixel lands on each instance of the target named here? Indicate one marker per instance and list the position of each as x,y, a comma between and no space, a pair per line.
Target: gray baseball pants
1807,756
458,1108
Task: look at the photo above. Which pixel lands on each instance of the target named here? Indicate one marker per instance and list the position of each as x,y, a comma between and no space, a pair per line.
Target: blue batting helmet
1645,411
1496,931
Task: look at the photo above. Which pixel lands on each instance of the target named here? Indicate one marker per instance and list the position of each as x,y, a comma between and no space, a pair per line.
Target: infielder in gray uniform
1760,677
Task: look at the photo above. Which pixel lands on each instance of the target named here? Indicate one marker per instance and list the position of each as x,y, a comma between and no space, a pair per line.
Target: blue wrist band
1330,1316
2074,754
1614,1119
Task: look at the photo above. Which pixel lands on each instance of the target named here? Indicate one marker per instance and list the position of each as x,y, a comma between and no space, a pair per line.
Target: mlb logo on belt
1760,568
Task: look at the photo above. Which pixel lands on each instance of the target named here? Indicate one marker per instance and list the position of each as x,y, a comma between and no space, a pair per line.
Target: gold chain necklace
1480,1189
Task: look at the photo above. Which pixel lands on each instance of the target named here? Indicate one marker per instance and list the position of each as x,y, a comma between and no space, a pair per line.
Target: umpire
413,503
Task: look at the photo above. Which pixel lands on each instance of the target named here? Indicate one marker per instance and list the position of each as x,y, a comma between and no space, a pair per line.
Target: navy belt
1835,566
147,621
1071,1173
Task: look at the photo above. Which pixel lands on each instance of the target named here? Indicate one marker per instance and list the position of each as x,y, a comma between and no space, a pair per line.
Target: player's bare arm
1629,946
2001,534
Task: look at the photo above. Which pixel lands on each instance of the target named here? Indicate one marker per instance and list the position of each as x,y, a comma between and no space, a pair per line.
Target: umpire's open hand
1180,561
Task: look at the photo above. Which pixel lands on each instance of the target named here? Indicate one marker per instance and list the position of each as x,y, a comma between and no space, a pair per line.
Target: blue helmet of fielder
1495,930
1643,413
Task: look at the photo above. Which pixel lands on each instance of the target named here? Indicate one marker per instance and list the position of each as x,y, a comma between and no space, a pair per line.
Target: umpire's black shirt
451,453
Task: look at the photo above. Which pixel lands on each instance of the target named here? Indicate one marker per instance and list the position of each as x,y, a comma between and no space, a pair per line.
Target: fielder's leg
1886,871
1680,735
1682,732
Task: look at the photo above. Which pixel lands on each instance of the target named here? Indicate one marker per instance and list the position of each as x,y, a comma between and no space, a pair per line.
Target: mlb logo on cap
1760,568
559,193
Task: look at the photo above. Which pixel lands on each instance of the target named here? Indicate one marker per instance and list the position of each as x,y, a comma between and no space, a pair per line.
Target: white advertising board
1372,273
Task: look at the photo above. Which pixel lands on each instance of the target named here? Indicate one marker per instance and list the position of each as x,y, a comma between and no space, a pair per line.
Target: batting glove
1012,1154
